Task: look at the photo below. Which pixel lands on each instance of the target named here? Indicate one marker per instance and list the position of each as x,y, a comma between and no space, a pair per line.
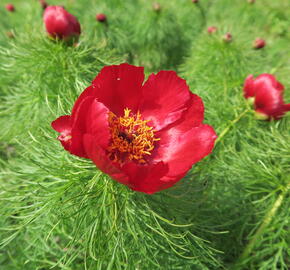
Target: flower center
132,138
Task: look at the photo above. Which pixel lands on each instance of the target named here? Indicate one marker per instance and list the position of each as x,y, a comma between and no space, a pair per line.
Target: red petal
279,86
80,127
146,178
287,107
66,143
194,115
88,92
100,158
76,146
165,97
249,90
119,87
61,124
97,123
91,117
268,81
181,148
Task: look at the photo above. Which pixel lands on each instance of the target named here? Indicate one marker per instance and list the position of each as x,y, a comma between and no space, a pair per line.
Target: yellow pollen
132,138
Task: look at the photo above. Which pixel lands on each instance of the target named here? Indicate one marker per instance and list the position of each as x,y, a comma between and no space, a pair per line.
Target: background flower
267,95
61,24
259,43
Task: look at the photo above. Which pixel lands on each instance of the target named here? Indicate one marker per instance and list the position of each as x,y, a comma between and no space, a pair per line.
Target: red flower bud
142,136
266,93
259,43
195,1
60,24
43,4
10,7
101,17
227,37
211,29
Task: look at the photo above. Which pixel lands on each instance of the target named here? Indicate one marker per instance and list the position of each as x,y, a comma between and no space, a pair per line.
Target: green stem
226,130
202,13
266,221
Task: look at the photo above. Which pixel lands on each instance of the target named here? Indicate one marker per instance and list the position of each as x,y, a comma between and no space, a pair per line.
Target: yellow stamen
132,138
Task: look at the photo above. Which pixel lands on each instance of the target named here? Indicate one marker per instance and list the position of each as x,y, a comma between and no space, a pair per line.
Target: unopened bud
10,34
227,37
60,24
101,17
156,7
259,43
43,4
211,29
10,7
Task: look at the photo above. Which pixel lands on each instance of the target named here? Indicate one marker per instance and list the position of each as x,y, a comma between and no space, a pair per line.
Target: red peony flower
101,17
267,95
60,24
10,7
211,29
144,135
259,43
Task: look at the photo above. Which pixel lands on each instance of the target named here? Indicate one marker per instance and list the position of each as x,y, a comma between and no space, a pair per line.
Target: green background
57,211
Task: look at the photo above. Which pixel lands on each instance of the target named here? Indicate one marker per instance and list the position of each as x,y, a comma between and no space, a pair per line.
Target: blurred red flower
267,94
259,43
101,17
144,135
227,37
60,24
10,7
211,29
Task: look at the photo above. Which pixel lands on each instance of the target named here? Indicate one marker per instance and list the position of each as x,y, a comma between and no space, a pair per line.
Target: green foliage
59,212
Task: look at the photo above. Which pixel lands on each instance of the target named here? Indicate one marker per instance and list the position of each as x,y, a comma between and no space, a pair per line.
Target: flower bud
101,17
43,4
195,1
10,7
251,1
211,29
10,34
156,7
265,94
259,43
60,24
227,37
